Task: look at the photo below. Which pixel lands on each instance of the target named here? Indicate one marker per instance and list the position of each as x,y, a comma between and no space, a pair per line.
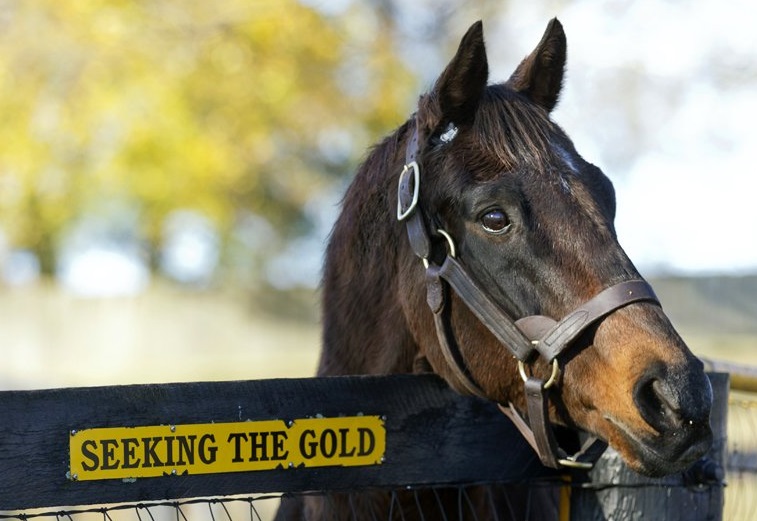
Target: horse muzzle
665,426
679,418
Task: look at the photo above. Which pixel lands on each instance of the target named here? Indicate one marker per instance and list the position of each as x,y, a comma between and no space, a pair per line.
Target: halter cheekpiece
525,339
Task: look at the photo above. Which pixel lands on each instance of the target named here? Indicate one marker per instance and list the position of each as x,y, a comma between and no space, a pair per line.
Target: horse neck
364,328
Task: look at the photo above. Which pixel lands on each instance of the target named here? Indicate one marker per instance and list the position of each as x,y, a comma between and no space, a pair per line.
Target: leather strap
511,412
590,451
436,297
464,382
486,310
539,433
546,444
615,297
548,337
408,191
522,338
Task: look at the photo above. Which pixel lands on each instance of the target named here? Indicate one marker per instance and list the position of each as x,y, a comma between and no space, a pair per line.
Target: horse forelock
512,140
513,136
509,137
515,131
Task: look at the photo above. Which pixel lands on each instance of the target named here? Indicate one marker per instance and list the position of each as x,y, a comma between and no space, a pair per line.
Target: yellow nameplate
210,448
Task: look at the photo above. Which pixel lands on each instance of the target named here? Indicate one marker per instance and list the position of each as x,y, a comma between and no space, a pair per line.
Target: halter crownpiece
525,339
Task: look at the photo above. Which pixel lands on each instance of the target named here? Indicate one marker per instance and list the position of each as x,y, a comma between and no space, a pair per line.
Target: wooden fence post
615,492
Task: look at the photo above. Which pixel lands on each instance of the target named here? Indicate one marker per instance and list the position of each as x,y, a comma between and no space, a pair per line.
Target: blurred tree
214,107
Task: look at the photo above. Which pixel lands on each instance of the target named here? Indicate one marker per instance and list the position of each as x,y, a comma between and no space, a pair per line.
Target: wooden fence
132,444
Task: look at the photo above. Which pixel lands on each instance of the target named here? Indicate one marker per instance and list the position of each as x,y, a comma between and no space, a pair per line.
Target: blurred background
170,170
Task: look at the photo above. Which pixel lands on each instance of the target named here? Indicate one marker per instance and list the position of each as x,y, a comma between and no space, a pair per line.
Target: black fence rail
432,436
187,451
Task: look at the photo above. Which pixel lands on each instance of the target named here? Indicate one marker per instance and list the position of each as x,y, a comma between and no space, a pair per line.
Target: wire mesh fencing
542,499
239,508
741,459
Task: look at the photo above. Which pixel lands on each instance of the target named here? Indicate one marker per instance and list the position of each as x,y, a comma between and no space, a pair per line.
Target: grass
53,339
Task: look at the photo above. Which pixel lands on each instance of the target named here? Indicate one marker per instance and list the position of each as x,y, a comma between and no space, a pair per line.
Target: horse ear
456,94
539,76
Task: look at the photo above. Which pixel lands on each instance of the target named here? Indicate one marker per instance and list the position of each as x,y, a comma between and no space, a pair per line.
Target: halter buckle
402,189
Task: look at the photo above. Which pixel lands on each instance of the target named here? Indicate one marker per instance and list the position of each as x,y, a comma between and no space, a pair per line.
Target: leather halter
525,339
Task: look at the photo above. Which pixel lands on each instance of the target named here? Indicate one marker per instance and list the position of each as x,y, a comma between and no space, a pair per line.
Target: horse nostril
658,404
668,403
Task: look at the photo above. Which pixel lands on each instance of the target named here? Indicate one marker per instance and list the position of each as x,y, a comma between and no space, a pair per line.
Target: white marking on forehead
568,160
449,134
566,157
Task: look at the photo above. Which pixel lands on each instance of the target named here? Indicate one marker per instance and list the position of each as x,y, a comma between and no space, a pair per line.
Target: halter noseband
525,338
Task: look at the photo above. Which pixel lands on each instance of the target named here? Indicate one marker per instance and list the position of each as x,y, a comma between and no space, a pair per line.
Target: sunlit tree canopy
225,109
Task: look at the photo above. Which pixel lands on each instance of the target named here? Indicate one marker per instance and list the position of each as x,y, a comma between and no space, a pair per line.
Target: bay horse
475,242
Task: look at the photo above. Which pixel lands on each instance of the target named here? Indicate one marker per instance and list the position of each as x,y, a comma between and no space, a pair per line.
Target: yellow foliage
181,104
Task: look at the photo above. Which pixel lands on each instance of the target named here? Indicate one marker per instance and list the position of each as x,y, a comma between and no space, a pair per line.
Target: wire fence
741,459
254,508
542,499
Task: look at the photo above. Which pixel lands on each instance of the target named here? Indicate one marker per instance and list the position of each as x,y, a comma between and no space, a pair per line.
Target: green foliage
216,107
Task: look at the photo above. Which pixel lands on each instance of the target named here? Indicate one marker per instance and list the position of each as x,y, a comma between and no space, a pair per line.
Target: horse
477,243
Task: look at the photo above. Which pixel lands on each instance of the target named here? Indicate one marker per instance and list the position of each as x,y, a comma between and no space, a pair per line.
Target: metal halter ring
552,377
452,250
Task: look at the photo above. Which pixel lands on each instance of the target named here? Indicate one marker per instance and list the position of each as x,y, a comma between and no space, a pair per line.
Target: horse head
493,183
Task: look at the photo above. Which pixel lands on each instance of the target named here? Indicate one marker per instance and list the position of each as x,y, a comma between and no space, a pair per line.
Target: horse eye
495,221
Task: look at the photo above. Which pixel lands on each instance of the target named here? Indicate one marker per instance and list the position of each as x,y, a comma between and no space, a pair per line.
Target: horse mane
360,308
511,131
